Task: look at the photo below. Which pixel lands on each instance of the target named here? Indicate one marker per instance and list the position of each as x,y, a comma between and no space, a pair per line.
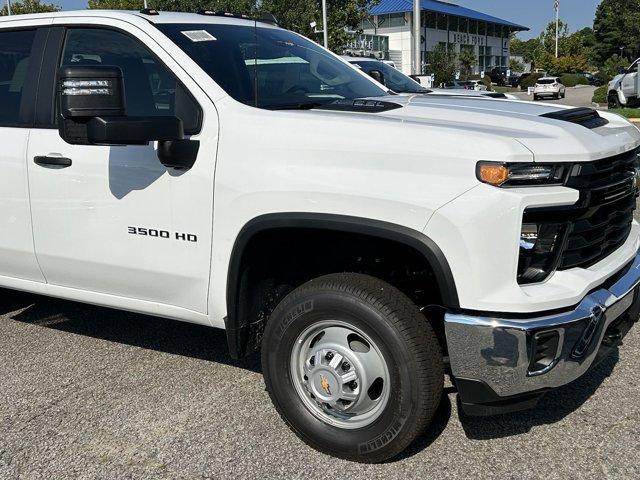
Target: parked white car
220,170
549,87
477,85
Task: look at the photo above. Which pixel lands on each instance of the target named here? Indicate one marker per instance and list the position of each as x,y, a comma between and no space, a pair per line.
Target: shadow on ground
143,331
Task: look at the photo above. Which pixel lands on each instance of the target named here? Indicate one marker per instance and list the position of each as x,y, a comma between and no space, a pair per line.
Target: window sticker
199,36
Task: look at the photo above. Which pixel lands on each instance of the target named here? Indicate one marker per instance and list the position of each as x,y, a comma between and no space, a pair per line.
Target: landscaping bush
530,81
571,80
600,95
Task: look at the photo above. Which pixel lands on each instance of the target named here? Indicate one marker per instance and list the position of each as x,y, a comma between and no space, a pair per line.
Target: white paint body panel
413,167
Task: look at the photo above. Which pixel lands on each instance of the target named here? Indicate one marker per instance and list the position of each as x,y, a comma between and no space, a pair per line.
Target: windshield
269,67
546,81
393,79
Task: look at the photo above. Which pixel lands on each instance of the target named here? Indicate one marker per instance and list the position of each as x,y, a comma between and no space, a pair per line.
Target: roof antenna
8,7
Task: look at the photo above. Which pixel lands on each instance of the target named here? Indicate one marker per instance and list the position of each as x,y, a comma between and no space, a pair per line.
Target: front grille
601,221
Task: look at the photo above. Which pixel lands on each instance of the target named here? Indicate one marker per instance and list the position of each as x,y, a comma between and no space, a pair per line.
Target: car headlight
521,174
540,245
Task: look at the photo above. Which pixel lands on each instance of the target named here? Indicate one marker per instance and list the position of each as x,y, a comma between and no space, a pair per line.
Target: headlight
539,248
521,174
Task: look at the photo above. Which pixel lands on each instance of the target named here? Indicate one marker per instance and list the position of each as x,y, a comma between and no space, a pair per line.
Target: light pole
325,30
8,7
417,58
557,24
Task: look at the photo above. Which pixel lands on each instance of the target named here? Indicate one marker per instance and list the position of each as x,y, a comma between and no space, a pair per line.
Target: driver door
629,82
113,221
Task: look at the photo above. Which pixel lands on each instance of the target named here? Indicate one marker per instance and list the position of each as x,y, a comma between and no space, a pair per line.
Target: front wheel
352,367
613,101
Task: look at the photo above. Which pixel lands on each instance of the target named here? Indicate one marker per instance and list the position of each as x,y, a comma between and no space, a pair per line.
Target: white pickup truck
624,89
220,170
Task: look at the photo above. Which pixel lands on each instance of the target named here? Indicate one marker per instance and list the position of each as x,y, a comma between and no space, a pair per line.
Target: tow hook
612,338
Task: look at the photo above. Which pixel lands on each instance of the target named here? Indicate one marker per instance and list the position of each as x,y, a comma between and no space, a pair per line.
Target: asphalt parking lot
576,96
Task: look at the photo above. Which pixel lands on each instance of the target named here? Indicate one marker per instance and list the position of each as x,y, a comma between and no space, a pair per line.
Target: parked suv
549,87
220,170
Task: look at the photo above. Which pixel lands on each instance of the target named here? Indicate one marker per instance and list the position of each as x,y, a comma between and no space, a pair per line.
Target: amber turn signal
493,173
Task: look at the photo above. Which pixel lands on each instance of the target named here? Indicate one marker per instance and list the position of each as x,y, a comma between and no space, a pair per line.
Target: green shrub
530,81
600,95
571,80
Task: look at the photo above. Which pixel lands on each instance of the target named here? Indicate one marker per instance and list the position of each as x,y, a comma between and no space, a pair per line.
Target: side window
15,54
150,89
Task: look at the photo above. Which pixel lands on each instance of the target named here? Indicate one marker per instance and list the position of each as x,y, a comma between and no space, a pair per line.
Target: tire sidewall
288,321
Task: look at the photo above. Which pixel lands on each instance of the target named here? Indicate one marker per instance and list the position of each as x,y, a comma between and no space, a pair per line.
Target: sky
534,14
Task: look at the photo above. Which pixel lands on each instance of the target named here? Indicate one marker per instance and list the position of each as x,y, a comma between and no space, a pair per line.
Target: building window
442,22
482,28
396,20
431,20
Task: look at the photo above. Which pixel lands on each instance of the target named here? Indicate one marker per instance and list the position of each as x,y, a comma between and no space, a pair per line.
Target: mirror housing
377,75
416,78
93,112
133,130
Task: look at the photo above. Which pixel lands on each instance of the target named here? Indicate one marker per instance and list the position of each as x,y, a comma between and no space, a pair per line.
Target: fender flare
238,330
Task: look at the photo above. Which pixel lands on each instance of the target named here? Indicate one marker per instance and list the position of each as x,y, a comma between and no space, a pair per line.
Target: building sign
369,43
466,38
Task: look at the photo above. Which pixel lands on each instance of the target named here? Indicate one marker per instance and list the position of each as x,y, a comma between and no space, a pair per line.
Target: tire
535,98
378,313
613,101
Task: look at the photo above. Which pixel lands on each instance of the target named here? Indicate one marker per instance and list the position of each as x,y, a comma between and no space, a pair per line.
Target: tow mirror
92,106
377,75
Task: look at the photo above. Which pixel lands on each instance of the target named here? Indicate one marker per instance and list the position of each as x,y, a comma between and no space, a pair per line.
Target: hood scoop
587,117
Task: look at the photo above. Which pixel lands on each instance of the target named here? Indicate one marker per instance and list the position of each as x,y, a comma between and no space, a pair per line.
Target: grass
627,112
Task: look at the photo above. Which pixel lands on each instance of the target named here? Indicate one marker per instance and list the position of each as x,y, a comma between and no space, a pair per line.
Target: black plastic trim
237,329
47,86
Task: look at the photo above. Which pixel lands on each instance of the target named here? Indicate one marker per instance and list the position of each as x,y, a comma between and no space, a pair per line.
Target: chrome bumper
497,352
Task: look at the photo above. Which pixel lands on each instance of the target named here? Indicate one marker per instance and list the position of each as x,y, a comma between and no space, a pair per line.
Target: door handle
45,161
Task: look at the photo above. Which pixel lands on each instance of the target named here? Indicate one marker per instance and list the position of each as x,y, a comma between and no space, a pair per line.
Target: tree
516,66
344,16
442,64
617,25
466,60
29,6
613,65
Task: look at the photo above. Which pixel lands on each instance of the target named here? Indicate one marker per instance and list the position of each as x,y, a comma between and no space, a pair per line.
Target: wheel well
270,262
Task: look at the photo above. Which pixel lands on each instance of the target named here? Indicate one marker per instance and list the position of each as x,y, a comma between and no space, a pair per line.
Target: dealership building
388,34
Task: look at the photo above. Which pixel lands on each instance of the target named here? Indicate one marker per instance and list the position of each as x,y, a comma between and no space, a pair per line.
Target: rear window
546,81
15,54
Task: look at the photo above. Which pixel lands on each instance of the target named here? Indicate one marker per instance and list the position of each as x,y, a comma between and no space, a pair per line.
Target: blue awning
402,6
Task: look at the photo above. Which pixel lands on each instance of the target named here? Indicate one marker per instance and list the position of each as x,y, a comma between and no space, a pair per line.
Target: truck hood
548,139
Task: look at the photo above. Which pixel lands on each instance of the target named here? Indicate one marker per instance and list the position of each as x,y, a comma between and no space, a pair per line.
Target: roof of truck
160,17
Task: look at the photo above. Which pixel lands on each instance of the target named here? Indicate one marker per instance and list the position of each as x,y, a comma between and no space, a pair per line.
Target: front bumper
505,364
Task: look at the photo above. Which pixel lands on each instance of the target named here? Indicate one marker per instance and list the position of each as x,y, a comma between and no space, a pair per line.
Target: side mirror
377,75
416,78
622,71
92,110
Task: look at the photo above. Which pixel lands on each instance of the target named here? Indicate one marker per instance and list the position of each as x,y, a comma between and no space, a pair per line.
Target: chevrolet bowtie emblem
324,383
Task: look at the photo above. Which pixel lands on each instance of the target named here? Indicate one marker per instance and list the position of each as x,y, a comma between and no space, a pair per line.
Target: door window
15,54
150,88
